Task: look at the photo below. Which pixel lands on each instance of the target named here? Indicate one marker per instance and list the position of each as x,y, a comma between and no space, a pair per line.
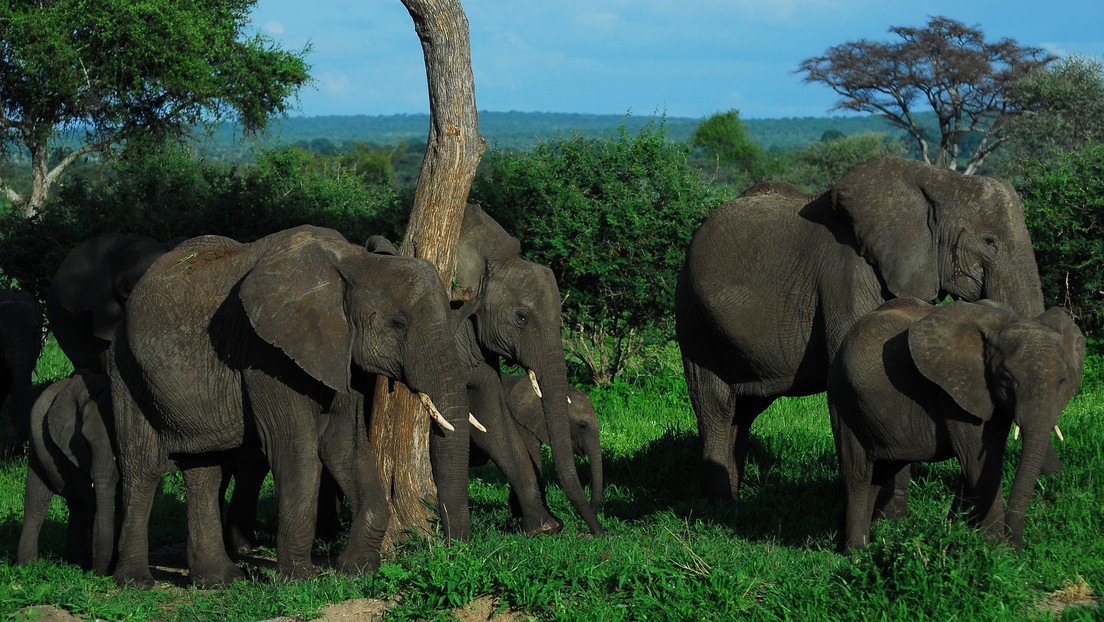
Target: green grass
669,555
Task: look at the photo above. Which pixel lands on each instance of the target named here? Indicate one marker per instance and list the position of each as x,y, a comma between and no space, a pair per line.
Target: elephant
774,280
227,343
71,455
516,319
20,346
88,294
524,406
914,382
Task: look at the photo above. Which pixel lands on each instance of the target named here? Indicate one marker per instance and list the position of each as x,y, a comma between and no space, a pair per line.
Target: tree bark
400,428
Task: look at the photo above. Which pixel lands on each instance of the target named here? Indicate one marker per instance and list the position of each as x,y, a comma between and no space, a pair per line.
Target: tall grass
669,554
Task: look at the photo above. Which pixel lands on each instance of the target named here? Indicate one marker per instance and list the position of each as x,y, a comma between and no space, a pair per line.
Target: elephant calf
918,383
71,455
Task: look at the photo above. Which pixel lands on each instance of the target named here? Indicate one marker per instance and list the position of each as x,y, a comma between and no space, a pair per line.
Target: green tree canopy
1064,108
725,139
83,76
946,67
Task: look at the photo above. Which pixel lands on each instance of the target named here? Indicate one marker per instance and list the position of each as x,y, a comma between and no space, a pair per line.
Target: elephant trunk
438,376
1035,444
107,492
1017,284
552,376
593,452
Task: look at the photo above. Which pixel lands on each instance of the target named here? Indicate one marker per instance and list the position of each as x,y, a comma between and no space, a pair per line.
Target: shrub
1064,207
612,217
170,193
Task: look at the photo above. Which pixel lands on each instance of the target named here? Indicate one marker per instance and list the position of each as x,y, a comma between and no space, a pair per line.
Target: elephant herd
223,358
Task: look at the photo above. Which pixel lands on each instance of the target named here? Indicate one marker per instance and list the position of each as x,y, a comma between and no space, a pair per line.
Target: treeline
517,130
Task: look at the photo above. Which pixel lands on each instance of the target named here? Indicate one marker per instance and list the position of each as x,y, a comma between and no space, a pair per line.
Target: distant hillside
523,130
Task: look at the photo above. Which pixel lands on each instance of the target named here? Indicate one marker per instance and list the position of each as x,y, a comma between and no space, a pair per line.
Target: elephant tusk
533,381
434,413
1058,431
568,399
1016,433
475,423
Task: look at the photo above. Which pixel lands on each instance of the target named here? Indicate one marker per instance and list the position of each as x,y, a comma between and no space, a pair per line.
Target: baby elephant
918,383
525,408
71,455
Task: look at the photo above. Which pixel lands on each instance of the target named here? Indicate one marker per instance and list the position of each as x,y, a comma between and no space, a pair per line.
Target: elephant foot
352,564
237,542
547,526
217,575
296,572
134,576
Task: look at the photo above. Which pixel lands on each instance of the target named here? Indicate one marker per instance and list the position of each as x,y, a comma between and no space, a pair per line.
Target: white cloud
274,27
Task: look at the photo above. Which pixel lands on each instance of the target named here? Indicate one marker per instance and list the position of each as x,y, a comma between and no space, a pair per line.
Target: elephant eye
399,323
521,318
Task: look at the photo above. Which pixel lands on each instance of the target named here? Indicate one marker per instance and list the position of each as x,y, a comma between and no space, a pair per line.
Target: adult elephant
517,318
914,382
88,294
20,345
773,281
223,341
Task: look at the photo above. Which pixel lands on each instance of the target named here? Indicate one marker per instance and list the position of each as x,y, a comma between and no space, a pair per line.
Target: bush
1064,208
171,194
612,217
819,165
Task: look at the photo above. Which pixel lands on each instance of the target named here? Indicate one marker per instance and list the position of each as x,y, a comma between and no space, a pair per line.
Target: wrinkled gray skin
224,340
525,409
774,280
913,382
517,318
85,303
88,294
20,345
71,456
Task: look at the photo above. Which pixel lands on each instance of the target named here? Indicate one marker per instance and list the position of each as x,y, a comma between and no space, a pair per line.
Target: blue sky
682,58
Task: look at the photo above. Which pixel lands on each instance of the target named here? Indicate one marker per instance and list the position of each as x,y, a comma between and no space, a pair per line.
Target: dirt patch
481,609
46,613
1073,594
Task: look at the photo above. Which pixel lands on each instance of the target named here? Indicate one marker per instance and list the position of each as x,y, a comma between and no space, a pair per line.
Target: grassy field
669,555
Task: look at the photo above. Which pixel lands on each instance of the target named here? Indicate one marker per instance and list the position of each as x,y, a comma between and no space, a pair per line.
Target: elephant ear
530,413
84,283
1073,342
948,348
294,298
891,214
482,246
70,399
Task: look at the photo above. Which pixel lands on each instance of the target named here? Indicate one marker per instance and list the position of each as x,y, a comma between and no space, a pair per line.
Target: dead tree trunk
399,429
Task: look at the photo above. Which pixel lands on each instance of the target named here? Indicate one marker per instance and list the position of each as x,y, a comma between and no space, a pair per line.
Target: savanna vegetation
610,203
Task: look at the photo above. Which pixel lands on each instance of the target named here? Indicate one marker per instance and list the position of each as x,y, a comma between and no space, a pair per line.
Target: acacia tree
1063,108
400,428
945,67
79,77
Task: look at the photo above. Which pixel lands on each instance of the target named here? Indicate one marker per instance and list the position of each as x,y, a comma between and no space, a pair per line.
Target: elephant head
90,290
930,232
20,345
518,318
993,363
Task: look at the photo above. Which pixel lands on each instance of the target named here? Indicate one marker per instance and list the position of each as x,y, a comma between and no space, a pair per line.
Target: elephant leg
208,563
370,514
248,471
296,470
857,481
891,501
77,534
506,450
724,422
36,504
980,497
141,463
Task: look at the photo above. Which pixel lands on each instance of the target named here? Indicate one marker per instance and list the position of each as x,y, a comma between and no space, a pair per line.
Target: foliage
1064,109
1064,207
946,65
168,194
724,139
612,218
817,166
105,71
